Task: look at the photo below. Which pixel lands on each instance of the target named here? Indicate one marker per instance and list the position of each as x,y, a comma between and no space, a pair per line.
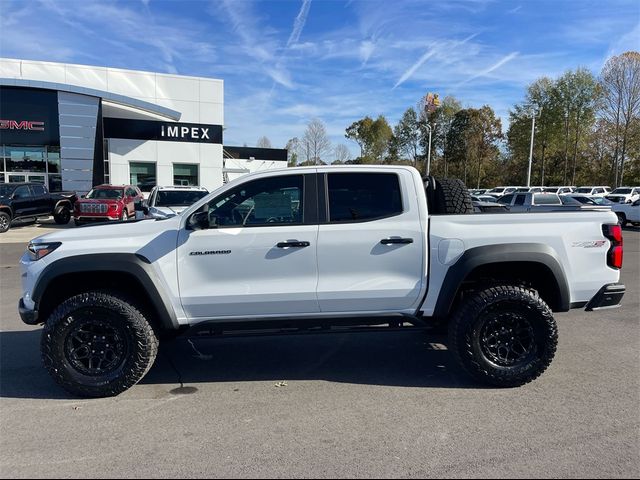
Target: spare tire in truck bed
447,196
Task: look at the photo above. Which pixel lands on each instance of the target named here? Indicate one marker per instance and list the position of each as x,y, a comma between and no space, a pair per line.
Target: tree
264,142
341,154
292,147
620,80
372,136
440,122
315,143
407,136
360,132
472,142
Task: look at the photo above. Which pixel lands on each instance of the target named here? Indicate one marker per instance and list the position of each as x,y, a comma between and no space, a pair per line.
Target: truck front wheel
505,335
62,215
5,222
97,344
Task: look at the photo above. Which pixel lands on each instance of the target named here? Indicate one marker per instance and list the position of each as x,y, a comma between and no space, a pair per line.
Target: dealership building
74,126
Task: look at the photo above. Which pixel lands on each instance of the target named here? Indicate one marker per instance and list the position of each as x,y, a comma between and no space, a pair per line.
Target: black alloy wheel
507,339
95,346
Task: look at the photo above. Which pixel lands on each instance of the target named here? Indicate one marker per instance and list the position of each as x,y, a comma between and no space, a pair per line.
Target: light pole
533,127
429,149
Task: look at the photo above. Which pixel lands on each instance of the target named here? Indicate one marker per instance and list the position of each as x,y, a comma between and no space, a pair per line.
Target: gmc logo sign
23,125
194,133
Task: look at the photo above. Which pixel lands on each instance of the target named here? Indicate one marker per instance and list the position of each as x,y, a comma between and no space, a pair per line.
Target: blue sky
285,62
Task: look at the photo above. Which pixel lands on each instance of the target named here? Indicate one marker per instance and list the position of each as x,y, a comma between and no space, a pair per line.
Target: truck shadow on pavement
401,359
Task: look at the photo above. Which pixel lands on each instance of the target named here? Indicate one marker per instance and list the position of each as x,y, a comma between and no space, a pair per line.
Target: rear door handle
293,243
395,241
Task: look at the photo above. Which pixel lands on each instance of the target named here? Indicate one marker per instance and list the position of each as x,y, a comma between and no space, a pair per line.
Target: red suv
106,202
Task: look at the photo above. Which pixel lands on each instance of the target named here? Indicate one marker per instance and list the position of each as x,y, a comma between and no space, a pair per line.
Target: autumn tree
620,81
372,136
292,147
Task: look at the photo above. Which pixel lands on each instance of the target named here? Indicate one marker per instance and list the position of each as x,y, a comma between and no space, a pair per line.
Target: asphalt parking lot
347,405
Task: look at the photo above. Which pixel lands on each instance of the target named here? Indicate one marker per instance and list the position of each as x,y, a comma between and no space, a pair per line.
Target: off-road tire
5,222
503,303
448,196
62,215
87,310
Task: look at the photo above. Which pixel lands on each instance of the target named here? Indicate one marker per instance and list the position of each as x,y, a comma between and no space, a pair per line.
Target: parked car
489,207
166,202
107,203
594,191
627,212
478,191
500,191
560,190
483,198
624,195
526,202
20,201
320,248
585,199
536,189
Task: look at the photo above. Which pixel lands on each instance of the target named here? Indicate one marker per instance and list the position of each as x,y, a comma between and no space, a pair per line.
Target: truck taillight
614,255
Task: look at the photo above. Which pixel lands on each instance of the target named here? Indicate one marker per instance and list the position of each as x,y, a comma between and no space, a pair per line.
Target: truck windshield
584,190
623,191
106,193
169,198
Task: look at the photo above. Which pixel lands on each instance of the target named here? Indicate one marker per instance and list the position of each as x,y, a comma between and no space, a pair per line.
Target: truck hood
128,236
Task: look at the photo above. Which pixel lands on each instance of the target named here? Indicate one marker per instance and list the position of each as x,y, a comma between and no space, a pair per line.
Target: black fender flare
133,264
63,202
502,253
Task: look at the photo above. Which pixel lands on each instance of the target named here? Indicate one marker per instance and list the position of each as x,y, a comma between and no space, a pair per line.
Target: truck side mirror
198,221
141,206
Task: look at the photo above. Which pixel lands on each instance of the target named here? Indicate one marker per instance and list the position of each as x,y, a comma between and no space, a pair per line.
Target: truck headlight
41,250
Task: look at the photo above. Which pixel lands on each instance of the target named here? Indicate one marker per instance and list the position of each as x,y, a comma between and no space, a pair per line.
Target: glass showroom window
143,175
25,159
184,174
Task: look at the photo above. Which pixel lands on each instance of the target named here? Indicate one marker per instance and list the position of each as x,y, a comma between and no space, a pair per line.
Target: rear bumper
30,317
608,296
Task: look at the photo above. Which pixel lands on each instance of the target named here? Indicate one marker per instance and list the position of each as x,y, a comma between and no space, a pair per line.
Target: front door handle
293,243
396,241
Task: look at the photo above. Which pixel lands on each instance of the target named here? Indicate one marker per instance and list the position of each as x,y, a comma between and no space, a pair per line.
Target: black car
33,200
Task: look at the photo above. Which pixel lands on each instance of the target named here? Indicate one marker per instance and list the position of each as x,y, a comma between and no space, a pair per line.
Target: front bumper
30,317
608,296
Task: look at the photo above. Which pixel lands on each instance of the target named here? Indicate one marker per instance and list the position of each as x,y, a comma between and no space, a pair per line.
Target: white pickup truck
628,212
316,248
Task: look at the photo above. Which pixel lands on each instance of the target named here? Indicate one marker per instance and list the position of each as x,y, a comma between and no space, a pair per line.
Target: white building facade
74,126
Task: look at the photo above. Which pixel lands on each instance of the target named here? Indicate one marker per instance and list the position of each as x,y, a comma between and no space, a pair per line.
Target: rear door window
362,197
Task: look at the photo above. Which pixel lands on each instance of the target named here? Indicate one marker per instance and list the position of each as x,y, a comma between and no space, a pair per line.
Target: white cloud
299,23
493,67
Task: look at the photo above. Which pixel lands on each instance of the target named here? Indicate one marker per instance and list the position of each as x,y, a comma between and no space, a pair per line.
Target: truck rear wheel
505,336
97,344
448,196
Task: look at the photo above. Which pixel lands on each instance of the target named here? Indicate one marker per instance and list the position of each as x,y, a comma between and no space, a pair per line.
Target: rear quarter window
358,197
